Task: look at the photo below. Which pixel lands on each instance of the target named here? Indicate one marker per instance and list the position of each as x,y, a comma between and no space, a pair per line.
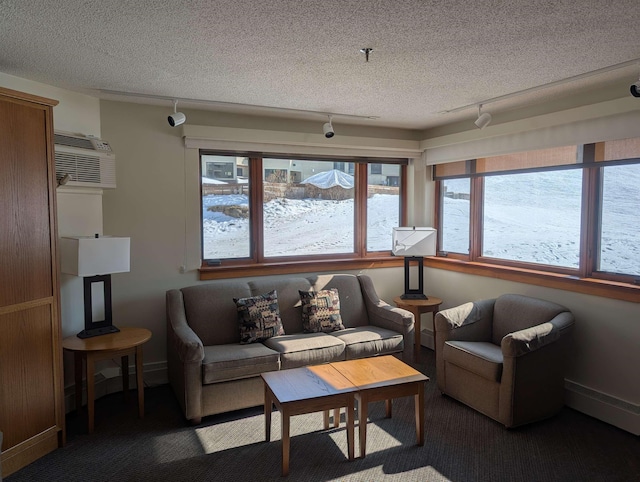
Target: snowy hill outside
519,225
546,229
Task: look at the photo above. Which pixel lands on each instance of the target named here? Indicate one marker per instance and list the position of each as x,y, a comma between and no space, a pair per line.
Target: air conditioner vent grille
86,170
82,143
88,161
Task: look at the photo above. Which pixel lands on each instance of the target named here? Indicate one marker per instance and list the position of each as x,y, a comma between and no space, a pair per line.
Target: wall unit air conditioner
89,161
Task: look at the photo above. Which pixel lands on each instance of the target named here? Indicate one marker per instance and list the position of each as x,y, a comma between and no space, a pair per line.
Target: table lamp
95,258
414,243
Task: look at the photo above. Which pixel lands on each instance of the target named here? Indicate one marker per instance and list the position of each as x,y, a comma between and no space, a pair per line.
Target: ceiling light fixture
176,118
484,118
635,89
327,128
366,51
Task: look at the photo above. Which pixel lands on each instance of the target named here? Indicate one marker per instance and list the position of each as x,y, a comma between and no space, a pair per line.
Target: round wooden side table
128,341
418,307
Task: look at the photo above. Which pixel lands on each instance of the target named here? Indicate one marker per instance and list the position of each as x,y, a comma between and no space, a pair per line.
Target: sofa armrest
382,314
531,339
181,338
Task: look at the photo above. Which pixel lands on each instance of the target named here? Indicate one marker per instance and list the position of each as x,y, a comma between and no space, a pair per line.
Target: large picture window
572,210
261,210
533,217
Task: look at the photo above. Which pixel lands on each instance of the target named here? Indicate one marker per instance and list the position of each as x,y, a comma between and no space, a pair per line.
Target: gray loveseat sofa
211,372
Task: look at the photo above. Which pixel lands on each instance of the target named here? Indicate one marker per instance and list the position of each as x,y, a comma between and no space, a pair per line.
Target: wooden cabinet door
31,401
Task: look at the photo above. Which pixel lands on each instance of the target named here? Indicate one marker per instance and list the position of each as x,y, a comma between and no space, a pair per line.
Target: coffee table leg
350,428
267,413
336,417
285,441
363,407
419,403
326,419
387,404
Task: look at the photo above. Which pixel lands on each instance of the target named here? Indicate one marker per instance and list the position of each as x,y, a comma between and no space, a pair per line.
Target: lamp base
105,330
414,296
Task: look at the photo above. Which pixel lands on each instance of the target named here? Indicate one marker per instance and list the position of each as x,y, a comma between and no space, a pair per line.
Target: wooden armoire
31,379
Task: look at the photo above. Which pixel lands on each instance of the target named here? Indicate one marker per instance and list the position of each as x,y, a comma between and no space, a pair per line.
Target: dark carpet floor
461,445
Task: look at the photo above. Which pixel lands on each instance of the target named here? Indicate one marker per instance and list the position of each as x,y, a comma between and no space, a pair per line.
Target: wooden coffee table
305,390
384,378
334,385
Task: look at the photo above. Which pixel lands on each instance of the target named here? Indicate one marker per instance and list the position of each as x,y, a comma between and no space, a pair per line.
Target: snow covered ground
297,226
536,218
520,225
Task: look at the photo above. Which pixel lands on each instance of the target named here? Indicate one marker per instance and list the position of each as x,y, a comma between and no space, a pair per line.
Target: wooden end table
306,390
418,307
128,341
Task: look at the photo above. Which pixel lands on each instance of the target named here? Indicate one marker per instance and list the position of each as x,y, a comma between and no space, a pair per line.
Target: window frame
259,265
585,279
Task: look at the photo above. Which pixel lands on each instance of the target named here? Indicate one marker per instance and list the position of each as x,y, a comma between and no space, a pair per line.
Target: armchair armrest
384,315
187,345
531,339
468,322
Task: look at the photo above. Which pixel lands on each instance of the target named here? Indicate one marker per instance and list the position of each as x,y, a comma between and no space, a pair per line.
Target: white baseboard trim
426,338
609,409
109,380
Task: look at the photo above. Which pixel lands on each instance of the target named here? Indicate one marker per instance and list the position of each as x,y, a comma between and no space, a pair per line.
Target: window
533,217
225,213
312,217
619,250
298,209
456,202
383,206
572,210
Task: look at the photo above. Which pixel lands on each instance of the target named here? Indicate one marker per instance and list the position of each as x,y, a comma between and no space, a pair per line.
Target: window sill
293,267
589,286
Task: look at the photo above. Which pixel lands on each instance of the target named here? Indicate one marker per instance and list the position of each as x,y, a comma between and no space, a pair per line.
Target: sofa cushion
321,311
230,362
211,312
479,357
259,317
306,349
366,341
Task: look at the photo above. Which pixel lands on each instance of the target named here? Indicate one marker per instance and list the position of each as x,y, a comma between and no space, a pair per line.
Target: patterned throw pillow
259,317
321,311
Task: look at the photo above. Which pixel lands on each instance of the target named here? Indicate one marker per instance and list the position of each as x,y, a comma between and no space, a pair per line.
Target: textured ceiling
428,56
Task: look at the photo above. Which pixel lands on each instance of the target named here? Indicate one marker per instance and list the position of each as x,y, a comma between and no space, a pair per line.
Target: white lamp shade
91,256
412,241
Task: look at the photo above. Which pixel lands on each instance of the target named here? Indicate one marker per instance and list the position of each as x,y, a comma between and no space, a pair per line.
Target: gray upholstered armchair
504,357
